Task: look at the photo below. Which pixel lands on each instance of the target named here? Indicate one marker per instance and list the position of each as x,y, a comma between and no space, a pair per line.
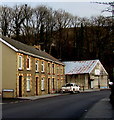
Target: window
37,66
68,85
28,63
42,84
42,66
48,67
53,68
28,83
62,70
20,62
57,69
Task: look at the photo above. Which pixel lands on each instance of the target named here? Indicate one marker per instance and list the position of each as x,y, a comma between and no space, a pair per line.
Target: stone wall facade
41,82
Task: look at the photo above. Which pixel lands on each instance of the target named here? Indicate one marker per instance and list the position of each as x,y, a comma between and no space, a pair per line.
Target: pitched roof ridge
79,67
82,60
30,50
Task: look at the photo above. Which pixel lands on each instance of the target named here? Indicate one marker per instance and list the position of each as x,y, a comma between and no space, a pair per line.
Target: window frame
20,62
42,84
42,66
28,63
49,70
37,66
58,70
28,84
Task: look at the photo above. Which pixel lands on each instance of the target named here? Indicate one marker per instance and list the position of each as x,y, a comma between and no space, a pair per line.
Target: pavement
30,98
101,110
40,97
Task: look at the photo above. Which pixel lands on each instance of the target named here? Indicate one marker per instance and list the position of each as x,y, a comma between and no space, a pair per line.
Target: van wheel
78,91
61,92
73,91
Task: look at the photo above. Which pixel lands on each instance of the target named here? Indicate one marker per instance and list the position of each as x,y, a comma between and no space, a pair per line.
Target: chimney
38,47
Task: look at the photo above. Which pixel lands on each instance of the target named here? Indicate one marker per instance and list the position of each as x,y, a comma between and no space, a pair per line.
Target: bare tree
63,20
75,25
40,13
18,19
5,20
44,27
27,26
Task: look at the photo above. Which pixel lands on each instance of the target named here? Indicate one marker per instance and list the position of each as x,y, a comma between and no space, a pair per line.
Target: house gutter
27,53
15,49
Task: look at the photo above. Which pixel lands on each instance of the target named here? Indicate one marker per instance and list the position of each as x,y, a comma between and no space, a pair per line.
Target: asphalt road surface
71,106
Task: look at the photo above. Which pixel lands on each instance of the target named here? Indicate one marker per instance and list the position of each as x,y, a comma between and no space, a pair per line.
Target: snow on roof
80,67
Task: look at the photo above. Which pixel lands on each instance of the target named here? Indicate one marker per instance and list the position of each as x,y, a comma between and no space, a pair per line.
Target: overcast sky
81,8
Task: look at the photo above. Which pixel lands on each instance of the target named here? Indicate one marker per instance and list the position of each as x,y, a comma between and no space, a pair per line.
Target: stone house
88,74
28,71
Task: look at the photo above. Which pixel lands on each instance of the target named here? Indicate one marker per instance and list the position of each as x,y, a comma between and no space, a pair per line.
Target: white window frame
42,84
57,70
20,62
28,83
29,63
61,70
37,66
42,66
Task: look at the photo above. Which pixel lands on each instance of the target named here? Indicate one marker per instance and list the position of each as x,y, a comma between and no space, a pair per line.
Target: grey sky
81,9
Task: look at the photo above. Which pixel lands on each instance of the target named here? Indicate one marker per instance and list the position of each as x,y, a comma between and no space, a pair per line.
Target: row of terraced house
28,71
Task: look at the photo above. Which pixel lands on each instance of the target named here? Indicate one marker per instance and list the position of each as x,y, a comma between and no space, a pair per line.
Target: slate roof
80,67
30,50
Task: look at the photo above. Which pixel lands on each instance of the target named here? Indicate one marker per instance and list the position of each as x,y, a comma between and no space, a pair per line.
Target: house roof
29,50
81,67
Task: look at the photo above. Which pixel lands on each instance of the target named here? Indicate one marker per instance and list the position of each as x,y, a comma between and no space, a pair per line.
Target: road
67,106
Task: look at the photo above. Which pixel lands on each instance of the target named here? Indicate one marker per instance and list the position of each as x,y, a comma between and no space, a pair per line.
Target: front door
48,85
20,86
36,85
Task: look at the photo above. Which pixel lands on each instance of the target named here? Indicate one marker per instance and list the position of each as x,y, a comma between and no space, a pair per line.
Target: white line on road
2,103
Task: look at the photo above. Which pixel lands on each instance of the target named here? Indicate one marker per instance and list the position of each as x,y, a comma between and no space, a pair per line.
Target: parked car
70,87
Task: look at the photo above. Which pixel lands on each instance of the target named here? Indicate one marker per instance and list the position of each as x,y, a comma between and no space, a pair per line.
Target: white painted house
88,74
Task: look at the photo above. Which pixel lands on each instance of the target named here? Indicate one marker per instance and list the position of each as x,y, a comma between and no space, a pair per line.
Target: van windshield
69,85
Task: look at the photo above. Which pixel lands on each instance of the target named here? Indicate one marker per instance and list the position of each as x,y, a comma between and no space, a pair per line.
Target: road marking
2,103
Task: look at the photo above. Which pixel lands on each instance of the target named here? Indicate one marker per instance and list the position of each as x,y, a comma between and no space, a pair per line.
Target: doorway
36,85
48,85
20,86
